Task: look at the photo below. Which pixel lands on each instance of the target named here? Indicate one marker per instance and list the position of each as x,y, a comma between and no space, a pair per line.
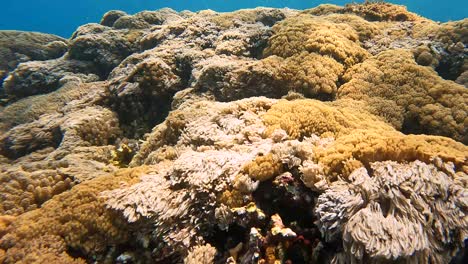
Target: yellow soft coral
360,137
323,9
311,74
263,167
307,33
303,118
76,219
363,28
424,102
369,146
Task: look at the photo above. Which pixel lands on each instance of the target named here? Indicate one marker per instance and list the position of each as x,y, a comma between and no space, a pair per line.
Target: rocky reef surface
328,135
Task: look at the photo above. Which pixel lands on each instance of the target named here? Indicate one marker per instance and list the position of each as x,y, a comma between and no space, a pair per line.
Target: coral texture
390,213
19,46
424,102
327,135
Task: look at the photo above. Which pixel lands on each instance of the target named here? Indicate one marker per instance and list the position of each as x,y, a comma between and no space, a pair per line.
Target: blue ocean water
62,17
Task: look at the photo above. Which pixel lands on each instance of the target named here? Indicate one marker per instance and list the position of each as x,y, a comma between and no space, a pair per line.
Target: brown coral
52,154
358,135
30,181
428,103
323,9
76,219
369,146
306,33
221,171
21,46
72,94
381,11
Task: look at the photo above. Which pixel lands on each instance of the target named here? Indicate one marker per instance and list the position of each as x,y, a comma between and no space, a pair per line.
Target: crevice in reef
288,197
184,71
462,256
224,240
138,114
450,68
411,126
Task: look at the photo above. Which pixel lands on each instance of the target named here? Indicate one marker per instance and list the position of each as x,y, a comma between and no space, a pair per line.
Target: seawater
62,17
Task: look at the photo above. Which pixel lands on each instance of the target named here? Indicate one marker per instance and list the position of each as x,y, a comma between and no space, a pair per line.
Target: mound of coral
328,135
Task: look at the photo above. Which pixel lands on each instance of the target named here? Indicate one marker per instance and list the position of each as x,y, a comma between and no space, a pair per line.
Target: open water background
62,17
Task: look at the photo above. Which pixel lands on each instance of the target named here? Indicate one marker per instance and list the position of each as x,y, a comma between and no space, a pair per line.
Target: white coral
401,211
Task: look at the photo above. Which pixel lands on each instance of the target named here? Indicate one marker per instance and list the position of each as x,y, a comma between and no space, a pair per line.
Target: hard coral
40,77
323,9
48,154
20,46
104,46
72,94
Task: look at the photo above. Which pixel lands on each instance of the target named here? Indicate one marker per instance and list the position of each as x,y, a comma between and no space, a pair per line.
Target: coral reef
424,102
381,11
327,135
39,77
75,220
386,215
19,46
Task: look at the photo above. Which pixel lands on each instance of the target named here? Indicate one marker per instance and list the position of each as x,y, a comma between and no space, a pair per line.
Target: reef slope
328,135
